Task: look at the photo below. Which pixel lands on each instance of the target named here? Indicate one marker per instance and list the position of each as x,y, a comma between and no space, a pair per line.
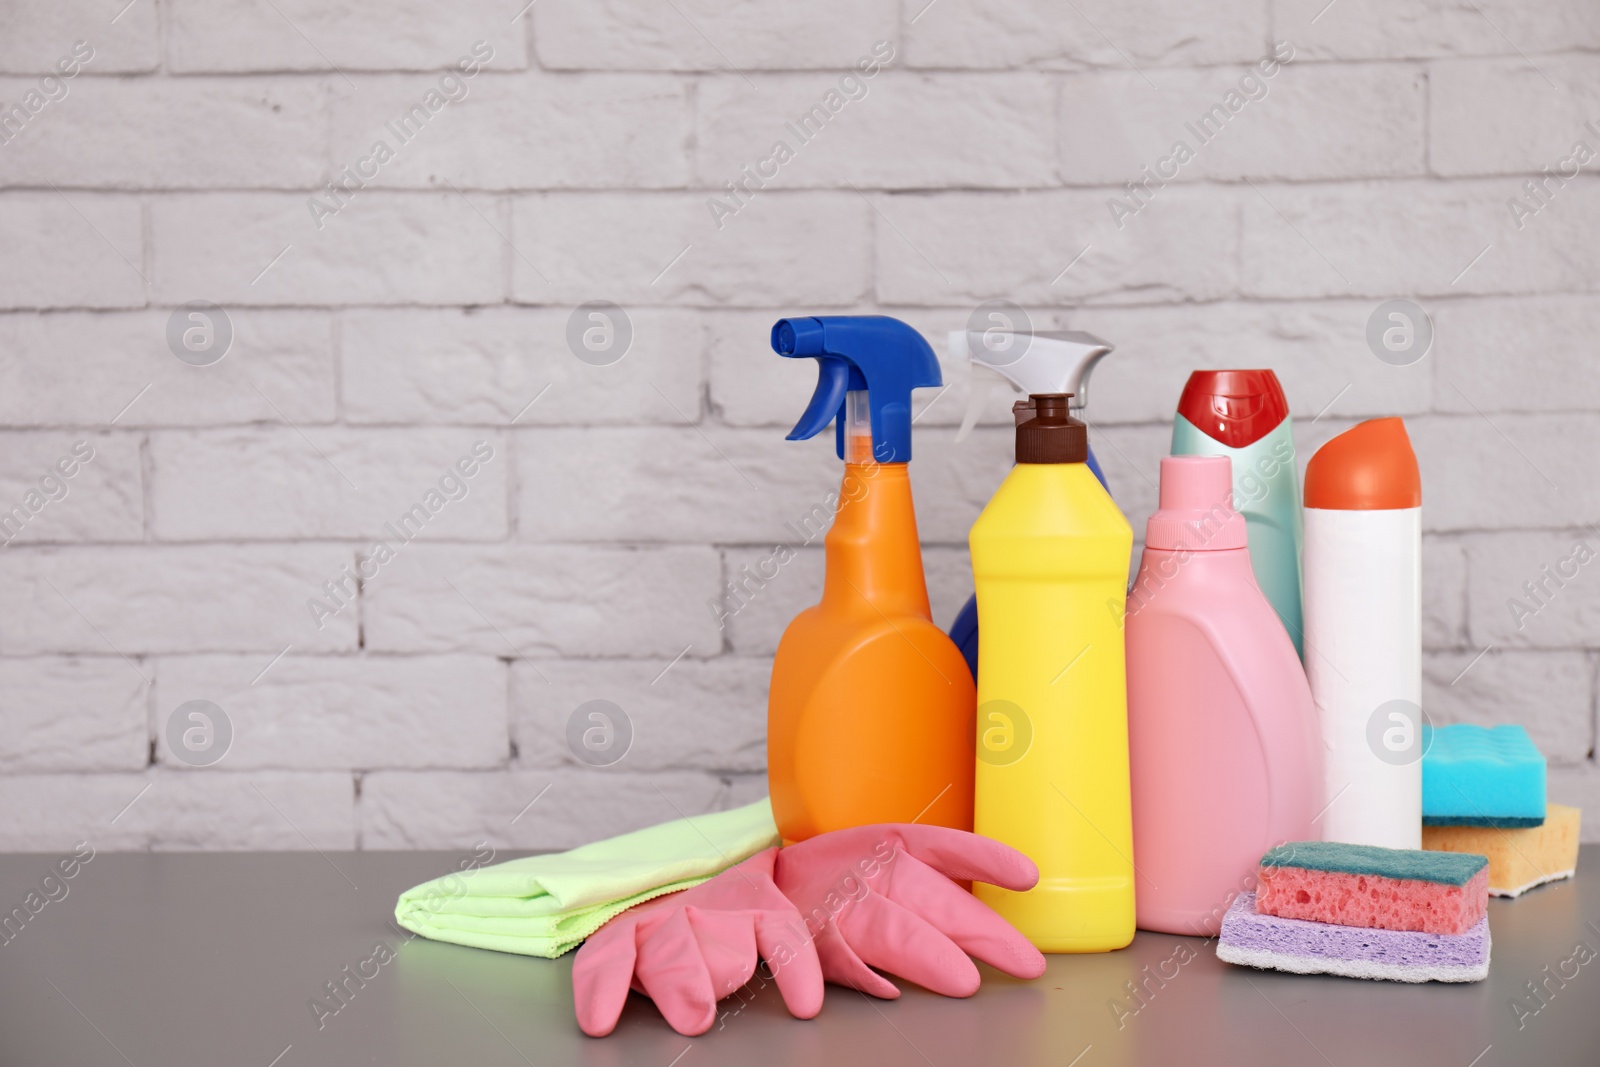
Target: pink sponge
1382,888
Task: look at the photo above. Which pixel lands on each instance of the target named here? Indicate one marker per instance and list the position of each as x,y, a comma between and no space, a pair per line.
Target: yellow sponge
1519,859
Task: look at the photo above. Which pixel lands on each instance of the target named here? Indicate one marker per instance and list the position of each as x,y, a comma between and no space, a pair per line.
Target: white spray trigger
1049,362
1094,350
978,390
980,383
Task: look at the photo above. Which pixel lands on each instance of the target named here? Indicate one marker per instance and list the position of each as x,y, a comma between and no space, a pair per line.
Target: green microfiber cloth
547,905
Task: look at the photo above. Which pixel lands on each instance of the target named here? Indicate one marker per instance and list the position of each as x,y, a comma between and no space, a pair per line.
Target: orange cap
1369,467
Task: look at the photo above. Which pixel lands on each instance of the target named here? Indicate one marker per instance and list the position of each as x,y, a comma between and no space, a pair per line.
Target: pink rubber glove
882,896
689,950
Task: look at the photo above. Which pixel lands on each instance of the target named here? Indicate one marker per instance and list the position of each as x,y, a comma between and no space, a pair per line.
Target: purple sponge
1273,943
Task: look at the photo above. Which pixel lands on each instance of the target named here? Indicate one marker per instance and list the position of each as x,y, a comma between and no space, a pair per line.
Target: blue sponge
1478,776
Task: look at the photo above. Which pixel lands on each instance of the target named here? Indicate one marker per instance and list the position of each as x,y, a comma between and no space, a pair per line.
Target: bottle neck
1159,567
874,557
1222,557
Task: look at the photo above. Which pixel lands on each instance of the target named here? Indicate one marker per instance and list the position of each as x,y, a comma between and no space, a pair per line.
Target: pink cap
1196,509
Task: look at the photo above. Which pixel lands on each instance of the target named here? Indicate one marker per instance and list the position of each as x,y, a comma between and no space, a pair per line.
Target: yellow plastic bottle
1050,557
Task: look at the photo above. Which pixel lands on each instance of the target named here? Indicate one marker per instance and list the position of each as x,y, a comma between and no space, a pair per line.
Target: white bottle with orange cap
1363,631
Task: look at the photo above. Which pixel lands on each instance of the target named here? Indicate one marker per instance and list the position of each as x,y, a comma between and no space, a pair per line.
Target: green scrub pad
547,905
1478,776
1445,868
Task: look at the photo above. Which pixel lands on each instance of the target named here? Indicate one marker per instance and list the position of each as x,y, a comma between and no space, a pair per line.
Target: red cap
1369,467
1236,407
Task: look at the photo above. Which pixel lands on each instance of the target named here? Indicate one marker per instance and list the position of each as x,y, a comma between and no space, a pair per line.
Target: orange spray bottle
870,716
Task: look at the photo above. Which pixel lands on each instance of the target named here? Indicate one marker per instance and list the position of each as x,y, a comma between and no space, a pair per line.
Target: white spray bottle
1363,619
1030,362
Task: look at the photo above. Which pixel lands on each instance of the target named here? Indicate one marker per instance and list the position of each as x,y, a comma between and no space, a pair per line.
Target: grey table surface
185,958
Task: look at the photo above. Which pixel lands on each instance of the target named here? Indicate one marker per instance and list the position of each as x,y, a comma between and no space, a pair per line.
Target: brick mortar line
666,423
1246,300
359,542
337,654
166,769
529,41
1240,185
1427,122
1098,302
1446,535
358,818
536,67
732,654
163,35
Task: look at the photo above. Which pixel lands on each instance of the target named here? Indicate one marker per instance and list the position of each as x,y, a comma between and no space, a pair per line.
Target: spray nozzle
1051,362
874,355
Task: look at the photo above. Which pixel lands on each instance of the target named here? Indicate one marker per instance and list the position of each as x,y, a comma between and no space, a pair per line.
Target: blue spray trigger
833,381
879,354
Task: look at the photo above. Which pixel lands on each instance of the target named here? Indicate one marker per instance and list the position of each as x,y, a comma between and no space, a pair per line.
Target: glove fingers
792,958
728,944
959,855
841,966
890,937
967,921
685,965
602,973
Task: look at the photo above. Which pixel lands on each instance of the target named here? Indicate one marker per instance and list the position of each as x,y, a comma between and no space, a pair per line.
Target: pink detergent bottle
1223,739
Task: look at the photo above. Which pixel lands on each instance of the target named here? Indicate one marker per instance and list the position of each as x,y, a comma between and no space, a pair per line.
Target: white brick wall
377,340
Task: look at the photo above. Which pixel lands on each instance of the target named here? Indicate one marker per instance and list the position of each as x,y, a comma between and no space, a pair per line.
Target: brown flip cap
1051,435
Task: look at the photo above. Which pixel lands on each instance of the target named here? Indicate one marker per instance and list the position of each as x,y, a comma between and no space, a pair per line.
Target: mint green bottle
1242,414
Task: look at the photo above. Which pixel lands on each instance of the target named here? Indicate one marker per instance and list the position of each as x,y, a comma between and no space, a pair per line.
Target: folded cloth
546,905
